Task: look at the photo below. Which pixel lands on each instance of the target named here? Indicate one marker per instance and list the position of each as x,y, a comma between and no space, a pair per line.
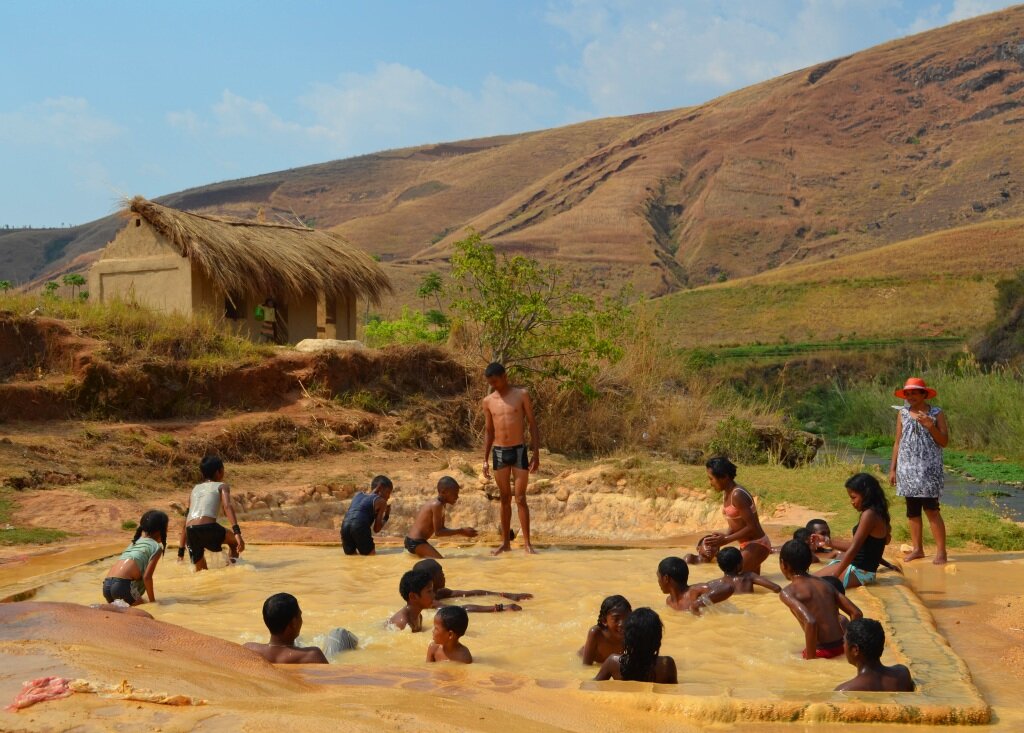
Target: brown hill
915,136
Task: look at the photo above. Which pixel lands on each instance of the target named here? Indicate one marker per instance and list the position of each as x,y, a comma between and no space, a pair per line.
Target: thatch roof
260,260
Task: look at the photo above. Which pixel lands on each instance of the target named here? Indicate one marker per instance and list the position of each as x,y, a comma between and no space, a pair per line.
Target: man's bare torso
507,415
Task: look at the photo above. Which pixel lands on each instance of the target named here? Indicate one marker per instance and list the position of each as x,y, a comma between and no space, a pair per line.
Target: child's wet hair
676,569
611,604
381,482
721,467
835,583
867,635
642,643
454,618
494,369
810,525
414,581
803,534
797,555
210,466
152,522
730,560
428,565
279,610
447,482
700,542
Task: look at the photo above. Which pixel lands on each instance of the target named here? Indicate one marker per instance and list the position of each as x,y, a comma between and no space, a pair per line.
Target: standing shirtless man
506,410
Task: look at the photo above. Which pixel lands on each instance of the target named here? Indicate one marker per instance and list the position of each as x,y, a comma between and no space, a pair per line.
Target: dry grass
254,259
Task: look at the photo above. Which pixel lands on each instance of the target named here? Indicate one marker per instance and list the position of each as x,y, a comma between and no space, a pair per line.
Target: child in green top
132,574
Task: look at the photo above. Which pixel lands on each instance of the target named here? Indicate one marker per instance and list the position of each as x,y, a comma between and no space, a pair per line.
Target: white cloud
660,54
57,122
391,106
964,9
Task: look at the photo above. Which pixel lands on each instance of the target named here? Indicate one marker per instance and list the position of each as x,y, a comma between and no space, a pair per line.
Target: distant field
936,287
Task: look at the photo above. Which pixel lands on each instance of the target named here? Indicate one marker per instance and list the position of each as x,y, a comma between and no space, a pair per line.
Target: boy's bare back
823,602
508,414
288,654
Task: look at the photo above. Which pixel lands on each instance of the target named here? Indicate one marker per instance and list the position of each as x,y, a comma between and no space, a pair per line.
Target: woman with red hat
916,472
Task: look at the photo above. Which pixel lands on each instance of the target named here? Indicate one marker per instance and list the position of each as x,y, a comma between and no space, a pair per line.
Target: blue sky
102,99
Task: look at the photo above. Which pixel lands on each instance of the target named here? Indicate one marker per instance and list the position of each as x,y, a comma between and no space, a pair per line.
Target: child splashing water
132,574
640,660
606,636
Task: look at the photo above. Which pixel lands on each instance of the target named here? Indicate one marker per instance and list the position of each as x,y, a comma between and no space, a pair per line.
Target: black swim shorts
514,457
203,537
916,503
356,539
411,544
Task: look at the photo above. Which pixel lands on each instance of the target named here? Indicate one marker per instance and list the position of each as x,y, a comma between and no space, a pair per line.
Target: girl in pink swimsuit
741,514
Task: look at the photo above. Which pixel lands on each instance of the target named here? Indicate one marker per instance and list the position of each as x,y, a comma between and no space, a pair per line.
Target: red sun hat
915,383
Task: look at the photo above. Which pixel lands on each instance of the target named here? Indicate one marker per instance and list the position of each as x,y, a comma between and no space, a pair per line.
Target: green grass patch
104,488
984,468
11,535
754,351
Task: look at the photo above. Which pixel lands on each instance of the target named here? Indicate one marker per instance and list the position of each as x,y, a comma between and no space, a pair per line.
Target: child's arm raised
381,513
765,583
807,621
229,512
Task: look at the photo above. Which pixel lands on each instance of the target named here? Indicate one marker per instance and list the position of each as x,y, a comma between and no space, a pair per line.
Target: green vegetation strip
975,465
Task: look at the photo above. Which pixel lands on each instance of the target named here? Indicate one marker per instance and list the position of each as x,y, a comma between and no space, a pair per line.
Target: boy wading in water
506,411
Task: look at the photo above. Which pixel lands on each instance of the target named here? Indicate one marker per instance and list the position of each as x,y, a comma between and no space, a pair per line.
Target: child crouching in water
450,624
705,553
865,642
606,636
640,660
283,617
417,590
132,574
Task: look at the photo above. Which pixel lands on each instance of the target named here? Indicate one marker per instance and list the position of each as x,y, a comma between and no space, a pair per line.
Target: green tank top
142,551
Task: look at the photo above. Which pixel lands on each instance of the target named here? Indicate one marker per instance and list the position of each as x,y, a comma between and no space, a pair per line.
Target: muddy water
740,661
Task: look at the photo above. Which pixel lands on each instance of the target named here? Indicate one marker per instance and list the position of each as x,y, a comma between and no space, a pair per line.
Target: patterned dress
919,463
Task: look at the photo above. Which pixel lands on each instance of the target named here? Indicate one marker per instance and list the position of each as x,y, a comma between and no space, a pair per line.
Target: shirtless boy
674,581
430,521
815,604
865,641
283,617
506,412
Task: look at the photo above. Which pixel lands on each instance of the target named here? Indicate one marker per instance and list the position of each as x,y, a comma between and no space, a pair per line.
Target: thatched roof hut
308,281
253,259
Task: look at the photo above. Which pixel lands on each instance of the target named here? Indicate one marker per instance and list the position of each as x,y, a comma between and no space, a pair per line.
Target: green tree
432,285
50,289
74,281
528,316
5,285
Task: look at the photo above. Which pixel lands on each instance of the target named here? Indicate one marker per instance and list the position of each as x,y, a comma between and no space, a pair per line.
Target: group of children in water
625,642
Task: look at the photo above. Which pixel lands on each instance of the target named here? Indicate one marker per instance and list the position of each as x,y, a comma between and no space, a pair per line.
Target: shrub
736,439
412,327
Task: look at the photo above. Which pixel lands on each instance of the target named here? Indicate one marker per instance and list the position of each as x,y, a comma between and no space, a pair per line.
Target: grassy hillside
941,285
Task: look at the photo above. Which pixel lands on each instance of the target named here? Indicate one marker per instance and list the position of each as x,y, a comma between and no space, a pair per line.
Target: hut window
331,310
138,222
234,308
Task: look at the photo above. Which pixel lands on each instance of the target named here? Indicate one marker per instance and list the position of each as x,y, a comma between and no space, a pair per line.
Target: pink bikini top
733,512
